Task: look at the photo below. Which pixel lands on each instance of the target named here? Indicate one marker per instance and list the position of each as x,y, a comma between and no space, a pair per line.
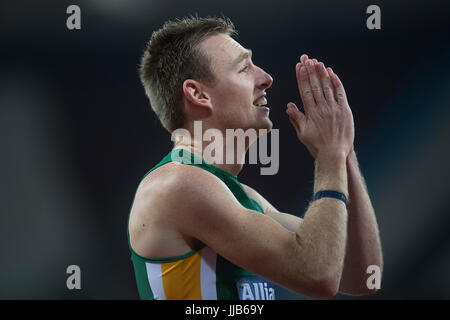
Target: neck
222,152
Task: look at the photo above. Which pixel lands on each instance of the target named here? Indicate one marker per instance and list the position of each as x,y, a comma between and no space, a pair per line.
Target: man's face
239,87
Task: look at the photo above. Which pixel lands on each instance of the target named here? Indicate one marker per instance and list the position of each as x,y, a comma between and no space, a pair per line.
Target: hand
327,125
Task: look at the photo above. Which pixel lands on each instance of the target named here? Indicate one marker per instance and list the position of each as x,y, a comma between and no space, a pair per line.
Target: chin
257,123
264,125
258,127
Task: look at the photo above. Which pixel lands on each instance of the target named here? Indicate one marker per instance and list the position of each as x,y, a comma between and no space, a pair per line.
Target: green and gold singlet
199,274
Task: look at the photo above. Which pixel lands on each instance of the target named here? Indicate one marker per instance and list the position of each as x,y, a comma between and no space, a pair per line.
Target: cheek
241,91
234,94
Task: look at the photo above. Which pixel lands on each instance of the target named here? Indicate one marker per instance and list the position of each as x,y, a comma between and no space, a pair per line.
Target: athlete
196,232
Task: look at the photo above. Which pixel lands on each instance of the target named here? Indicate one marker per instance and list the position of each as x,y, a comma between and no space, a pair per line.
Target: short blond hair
172,56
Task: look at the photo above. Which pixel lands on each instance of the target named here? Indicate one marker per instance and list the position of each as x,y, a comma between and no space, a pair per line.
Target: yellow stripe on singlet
181,279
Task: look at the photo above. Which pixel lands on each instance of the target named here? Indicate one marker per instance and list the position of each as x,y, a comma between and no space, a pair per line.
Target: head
193,69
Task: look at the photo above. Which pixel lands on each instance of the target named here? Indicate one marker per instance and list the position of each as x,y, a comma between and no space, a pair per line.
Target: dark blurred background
77,132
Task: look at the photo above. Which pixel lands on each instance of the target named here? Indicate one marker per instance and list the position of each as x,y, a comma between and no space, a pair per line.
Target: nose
264,80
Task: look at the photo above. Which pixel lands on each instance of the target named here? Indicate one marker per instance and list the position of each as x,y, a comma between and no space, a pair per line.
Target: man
194,231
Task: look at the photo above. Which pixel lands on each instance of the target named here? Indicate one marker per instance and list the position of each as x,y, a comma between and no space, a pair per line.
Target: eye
244,69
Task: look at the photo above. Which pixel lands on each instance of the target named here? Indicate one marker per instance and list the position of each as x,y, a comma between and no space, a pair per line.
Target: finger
295,125
297,74
298,67
339,90
303,58
290,113
294,112
296,117
305,88
327,86
314,80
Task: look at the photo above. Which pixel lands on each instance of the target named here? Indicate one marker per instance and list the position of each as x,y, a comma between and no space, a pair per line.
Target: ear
197,96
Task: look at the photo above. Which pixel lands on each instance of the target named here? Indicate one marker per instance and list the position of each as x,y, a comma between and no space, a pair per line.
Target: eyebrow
244,55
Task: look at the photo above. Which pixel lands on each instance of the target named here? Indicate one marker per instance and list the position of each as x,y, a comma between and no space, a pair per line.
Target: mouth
261,101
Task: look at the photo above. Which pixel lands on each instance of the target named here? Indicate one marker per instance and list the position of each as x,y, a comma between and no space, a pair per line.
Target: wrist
331,172
352,161
335,157
331,194
351,155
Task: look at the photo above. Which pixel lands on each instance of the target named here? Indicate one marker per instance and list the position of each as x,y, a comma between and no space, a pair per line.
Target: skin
228,104
327,251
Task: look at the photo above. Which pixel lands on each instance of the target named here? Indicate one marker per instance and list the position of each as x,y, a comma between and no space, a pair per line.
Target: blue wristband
330,194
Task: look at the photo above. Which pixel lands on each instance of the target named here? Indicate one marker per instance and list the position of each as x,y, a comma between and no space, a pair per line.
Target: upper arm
203,207
289,221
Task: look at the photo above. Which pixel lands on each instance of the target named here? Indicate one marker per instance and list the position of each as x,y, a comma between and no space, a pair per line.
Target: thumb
296,117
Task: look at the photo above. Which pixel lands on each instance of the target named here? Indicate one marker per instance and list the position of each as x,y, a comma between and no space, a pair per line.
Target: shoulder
175,180
167,201
180,190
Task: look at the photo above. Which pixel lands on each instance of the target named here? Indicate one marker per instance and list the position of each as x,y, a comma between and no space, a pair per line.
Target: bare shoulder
175,182
167,205
159,206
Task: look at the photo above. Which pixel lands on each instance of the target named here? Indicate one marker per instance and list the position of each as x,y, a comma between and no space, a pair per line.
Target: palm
328,121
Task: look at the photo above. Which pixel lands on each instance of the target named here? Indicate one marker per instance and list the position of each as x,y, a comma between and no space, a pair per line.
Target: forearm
331,173
322,234
363,243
